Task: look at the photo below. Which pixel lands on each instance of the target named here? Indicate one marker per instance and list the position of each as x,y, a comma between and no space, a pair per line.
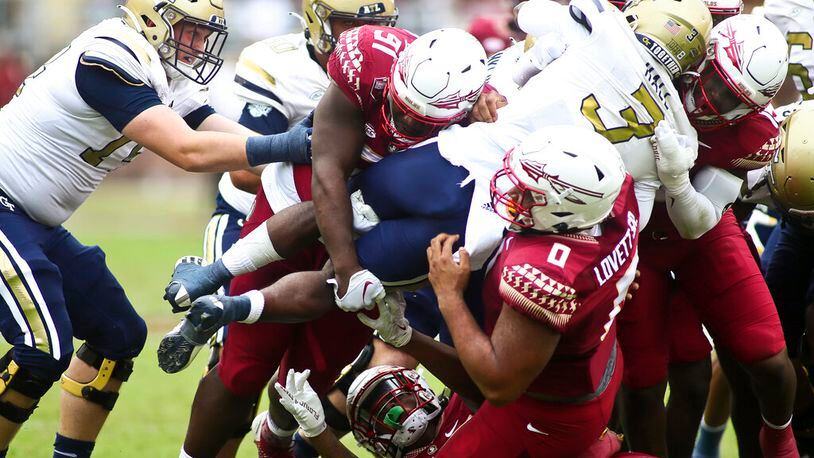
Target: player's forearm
442,360
298,298
211,152
335,218
697,207
328,445
475,349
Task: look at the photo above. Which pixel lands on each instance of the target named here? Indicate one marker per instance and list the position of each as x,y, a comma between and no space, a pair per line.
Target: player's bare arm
439,358
244,180
504,366
336,143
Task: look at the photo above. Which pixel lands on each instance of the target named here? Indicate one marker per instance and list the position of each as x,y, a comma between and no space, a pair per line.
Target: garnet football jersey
360,65
747,145
574,284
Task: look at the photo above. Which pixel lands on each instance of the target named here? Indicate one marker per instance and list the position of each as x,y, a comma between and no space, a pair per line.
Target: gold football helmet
318,14
192,48
791,174
675,32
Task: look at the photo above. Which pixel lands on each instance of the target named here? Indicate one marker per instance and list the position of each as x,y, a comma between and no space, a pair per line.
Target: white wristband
258,302
251,252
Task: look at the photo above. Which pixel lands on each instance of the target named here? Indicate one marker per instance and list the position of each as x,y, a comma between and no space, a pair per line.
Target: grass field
144,229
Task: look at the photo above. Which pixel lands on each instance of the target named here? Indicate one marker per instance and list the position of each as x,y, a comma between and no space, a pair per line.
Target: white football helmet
746,63
560,179
434,83
722,9
392,411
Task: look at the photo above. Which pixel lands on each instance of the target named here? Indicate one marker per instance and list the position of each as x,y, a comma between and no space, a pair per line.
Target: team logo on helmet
454,100
537,172
735,49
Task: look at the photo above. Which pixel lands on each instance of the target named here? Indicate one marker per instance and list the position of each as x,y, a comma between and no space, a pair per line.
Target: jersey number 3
590,109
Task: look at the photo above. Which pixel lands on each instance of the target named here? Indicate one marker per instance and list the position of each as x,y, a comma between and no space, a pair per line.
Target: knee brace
23,381
92,391
353,370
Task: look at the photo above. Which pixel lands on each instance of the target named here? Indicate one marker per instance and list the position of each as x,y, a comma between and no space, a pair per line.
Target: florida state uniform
717,280
574,284
360,66
455,416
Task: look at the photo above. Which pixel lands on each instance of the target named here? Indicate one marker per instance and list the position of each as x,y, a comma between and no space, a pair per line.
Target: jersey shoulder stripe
94,61
240,81
532,292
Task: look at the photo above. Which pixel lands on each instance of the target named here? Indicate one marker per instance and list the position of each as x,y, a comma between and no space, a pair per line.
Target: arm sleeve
263,119
539,296
198,116
698,208
111,91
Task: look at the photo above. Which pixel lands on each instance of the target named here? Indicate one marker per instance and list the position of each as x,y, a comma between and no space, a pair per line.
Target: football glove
364,218
675,156
364,289
293,145
301,401
391,326
192,279
544,51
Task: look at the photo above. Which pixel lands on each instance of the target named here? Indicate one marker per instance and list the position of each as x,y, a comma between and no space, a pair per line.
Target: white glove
544,51
301,401
675,156
391,325
364,289
364,218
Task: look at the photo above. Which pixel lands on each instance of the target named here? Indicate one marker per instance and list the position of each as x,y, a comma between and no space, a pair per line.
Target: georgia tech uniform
795,18
58,139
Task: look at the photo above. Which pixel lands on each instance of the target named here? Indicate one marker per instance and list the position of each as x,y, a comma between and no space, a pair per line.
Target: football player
546,303
788,267
281,80
548,365
247,365
125,84
717,273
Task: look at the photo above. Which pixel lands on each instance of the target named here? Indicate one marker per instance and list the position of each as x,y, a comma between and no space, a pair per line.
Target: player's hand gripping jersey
574,284
54,147
619,91
795,18
360,65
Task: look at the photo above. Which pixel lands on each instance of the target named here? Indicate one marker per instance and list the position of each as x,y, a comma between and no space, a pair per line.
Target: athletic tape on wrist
257,301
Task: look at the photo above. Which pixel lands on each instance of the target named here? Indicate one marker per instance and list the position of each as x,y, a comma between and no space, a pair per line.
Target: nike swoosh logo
452,430
535,430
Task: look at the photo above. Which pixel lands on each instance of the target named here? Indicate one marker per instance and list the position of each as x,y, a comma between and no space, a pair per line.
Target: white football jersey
55,149
795,18
277,73
619,91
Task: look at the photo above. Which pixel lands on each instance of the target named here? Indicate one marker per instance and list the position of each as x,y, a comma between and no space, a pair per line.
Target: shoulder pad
759,139
535,293
269,72
120,58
